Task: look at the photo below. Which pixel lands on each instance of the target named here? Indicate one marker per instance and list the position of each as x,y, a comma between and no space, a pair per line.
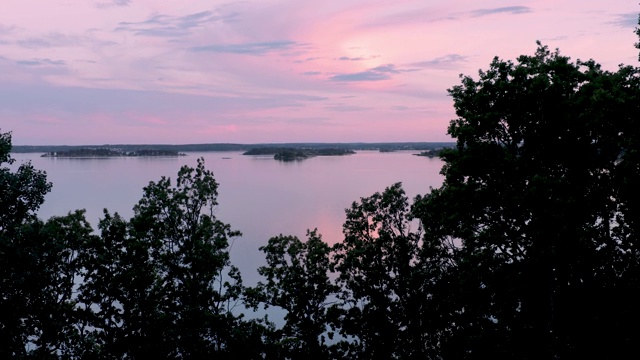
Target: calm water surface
259,196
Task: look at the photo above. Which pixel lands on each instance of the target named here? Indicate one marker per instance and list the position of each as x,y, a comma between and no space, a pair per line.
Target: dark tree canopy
538,192
297,281
160,285
387,271
163,282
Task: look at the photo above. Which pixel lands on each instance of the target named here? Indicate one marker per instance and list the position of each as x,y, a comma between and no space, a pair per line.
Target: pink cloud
204,71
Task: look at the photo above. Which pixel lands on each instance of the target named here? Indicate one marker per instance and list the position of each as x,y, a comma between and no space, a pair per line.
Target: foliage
537,192
39,267
159,285
22,192
163,282
637,31
387,272
297,280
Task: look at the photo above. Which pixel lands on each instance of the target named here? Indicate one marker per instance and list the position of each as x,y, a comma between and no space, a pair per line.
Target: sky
270,71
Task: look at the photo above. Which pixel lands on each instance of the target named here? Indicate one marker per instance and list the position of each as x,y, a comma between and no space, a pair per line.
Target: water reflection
257,195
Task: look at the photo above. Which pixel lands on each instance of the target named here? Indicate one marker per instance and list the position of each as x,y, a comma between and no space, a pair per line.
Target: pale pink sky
203,71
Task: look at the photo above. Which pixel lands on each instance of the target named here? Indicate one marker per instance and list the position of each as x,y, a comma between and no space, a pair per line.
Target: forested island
104,153
431,153
293,154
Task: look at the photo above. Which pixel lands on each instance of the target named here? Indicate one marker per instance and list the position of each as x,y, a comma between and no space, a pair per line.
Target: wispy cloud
57,40
41,62
173,26
112,3
253,48
378,73
5,30
502,10
429,15
368,75
346,108
404,108
446,61
50,40
346,58
307,97
626,20
307,60
387,68
422,15
358,58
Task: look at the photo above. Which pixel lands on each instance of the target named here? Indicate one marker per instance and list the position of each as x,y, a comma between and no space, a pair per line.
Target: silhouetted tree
297,280
162,284
538,193
388,273
38,267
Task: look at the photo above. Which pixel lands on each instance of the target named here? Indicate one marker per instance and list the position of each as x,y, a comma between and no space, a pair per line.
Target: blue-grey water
259,196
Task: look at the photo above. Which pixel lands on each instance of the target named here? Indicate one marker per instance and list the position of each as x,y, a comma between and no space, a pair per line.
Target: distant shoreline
385,147
93,153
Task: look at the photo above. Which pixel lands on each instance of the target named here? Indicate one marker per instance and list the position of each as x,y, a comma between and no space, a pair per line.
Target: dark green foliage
291,155
189,250
637,31
387,272
119,288
162,283
39,267
297,153
21,192
537,192
297,280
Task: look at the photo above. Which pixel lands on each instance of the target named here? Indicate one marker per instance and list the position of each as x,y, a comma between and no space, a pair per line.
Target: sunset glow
144,71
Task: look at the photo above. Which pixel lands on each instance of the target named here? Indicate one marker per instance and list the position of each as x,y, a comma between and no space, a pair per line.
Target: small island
430,153
297,154
106,153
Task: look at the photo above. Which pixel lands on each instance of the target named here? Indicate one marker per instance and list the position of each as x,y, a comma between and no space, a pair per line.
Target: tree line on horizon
528,250
385,146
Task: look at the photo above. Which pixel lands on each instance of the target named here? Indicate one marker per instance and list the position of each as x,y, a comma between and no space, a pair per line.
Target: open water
259,196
